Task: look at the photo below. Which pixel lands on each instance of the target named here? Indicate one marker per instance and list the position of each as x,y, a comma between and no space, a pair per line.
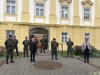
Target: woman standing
86,49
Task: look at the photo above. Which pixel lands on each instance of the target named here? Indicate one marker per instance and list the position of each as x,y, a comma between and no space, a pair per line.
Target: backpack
54,45
26,43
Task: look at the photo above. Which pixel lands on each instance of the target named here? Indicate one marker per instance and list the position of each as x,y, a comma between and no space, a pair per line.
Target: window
10,6
87,35
39,9
10,32
86,13
64,11
64,37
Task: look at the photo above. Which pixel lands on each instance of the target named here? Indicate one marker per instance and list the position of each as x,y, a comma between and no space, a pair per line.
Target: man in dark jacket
9,43
15,44
43,44
36,41
54,46
32,50
26,44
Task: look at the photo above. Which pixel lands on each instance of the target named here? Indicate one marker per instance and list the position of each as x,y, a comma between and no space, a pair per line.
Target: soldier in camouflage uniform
26,44
54,46
36,41
15,44
9,43
70,49
43,44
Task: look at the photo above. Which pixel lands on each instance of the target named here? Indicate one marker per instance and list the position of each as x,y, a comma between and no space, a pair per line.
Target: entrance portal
39,33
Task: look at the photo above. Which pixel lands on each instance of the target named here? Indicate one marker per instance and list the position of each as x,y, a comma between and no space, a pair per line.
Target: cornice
68,1
87,2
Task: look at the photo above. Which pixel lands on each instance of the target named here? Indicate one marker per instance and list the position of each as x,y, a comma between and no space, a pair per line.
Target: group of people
11,44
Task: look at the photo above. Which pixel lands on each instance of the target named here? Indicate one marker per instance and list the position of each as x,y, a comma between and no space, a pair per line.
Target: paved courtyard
70,66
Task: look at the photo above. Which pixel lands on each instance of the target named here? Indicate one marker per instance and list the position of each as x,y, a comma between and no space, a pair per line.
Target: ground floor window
10,32
64,37
87,35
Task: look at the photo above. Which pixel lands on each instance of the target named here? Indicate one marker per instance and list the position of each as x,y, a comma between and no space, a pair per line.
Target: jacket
32,46
84,46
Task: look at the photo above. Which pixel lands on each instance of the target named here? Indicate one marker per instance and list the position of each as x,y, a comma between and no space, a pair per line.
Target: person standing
43,44
15,44
9,43
70,49
36,41
26,44
54,46
32,49
86,48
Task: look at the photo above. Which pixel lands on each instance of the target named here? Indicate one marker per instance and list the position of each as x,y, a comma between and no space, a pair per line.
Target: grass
15,55
64,54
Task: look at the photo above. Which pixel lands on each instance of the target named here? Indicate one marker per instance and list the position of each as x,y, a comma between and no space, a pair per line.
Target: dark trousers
42,48
70,50
32,56
16,47
9,52
54,52
25,51
86,54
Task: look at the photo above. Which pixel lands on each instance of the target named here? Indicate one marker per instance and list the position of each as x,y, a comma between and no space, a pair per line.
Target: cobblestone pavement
71,66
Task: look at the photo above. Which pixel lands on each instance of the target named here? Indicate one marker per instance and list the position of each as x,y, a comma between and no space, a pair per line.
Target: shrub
2,50
78,50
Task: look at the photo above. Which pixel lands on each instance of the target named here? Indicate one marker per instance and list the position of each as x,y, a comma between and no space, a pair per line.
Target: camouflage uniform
25,49
9,43
70,49
43,44
54,46
15,45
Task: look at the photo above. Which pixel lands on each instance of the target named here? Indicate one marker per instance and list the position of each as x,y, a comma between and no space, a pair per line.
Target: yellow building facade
60,19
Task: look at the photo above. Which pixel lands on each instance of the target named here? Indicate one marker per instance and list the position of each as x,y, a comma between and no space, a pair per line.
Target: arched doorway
39,32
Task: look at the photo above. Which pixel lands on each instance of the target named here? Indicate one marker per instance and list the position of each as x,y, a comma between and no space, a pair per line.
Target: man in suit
32,49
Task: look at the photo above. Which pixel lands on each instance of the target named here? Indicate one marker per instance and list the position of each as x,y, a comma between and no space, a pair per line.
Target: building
61,19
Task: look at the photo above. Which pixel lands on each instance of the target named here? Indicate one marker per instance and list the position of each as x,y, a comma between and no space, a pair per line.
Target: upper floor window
39,9
86,13
64,37
10,6
64,11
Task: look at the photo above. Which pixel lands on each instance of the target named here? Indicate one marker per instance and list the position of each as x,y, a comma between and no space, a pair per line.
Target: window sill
88,20
64,18
10,14
39,17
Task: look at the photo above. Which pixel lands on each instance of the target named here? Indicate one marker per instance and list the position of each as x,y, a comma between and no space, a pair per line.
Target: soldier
43,44
15,44
26,44
36,41
9,43
32,50
54,46
46,47
70,49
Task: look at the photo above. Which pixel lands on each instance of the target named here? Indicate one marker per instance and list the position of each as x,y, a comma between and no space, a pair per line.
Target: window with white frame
86,13
64,37
39,9
64,11
10,32
11,6
87,35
